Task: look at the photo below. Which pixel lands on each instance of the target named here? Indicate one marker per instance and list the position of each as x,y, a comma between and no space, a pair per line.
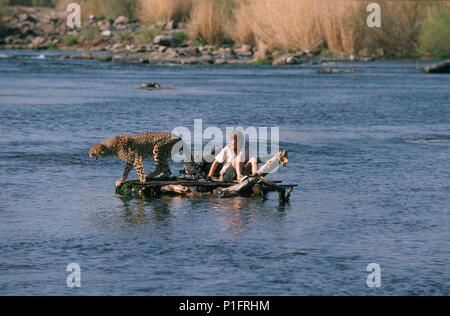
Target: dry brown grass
106,8
298,24
152,11
282,24
211,20
288,25
336,24
341,23
242,28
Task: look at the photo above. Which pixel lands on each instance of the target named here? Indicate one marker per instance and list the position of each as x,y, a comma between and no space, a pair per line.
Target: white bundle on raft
272,165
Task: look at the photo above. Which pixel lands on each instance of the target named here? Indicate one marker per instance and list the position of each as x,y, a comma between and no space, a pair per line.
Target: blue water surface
369,150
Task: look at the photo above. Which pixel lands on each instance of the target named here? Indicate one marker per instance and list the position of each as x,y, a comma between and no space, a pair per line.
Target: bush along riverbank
125,40
136,40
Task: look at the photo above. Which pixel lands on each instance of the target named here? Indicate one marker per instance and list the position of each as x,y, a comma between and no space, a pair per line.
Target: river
370,152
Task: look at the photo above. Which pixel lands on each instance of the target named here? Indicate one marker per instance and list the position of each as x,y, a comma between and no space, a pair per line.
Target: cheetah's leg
139,166
162,168
127,170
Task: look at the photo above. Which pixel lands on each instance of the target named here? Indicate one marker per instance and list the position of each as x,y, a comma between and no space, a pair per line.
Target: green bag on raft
125,189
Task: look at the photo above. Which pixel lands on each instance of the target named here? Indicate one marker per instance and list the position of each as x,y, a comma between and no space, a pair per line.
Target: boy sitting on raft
233,160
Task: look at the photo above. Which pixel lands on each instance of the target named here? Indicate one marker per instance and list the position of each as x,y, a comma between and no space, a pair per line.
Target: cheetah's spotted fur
133,149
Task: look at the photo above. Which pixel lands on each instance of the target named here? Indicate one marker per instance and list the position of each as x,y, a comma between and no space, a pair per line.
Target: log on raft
256,185
251,186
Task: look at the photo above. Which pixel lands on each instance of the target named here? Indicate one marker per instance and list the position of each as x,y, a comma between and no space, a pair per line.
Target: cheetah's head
99,151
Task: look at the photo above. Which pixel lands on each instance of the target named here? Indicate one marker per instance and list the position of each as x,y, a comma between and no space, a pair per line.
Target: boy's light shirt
227,156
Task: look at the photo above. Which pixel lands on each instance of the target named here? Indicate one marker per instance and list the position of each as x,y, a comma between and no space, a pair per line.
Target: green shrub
90,34
71,40
3,4
33,3
263,62
127,8
326,53
52,46
434,38
198,43
123,36
146,34
180,36
43,3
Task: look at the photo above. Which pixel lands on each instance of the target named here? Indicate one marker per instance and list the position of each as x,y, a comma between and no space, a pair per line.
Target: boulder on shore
106,33
165,40
120,20
38,41
440,68
293,59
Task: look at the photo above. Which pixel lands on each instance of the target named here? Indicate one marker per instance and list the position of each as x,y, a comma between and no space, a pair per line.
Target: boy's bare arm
213,168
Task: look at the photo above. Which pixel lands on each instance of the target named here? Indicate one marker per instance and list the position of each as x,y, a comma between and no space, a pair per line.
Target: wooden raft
251,186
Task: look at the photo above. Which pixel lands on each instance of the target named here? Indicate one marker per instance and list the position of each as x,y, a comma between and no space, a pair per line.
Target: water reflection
134,210
161,210
239,213
235,215
235,219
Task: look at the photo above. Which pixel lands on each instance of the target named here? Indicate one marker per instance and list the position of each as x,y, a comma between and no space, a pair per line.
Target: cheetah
133,149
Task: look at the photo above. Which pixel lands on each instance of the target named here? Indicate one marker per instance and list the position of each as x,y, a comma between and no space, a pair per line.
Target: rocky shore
127,41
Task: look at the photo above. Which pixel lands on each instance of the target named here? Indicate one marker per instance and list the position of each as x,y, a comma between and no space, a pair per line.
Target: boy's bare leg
237,166
251,167
212,170
254,165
